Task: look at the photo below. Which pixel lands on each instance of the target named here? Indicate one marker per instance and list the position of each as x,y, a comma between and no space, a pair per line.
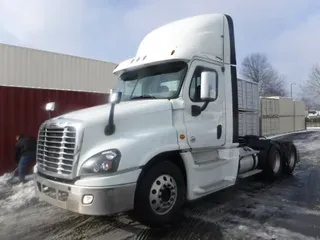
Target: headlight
103,162
35,168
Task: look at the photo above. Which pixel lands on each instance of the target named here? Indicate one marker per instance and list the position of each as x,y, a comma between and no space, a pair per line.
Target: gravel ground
253,209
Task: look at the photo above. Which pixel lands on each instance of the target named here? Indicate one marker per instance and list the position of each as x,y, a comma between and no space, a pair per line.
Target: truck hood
123,111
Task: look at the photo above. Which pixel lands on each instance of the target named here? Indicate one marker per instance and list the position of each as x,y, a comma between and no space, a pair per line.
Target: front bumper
106,201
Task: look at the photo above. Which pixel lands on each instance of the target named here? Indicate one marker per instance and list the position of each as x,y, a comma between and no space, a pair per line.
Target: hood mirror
114,98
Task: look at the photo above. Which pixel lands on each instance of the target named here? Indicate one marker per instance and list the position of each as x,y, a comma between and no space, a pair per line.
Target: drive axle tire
274,164
290,159
160,195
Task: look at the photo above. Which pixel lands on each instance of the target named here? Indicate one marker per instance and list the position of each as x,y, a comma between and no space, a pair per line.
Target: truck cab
169,134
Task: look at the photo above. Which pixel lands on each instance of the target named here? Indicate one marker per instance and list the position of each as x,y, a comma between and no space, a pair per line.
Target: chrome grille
56,150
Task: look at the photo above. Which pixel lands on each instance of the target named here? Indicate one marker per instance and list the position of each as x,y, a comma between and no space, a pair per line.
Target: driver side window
195,84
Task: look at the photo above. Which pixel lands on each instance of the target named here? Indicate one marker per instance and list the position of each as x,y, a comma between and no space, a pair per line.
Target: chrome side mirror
208,86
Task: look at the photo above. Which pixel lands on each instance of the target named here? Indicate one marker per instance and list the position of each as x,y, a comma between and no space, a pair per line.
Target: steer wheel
159,195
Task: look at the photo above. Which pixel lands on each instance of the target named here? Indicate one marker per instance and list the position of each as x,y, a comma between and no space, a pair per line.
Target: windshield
152,82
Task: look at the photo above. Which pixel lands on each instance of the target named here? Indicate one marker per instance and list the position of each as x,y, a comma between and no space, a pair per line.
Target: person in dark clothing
25,152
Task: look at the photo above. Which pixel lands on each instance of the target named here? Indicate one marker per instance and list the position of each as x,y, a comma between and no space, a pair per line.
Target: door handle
219,131
192,139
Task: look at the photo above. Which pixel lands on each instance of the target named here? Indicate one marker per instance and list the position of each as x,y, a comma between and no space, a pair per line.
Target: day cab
168,135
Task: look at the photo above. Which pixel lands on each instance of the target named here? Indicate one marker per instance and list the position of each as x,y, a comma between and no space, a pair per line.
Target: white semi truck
177,127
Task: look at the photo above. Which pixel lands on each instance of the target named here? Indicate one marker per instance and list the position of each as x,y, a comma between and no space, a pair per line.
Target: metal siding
269,107
286,107
299,123
286,124
264,130
270,126
281,115
299,108
241,103
267,126
275,127
22,111
264,106
241,124
24,67
248,123
248,99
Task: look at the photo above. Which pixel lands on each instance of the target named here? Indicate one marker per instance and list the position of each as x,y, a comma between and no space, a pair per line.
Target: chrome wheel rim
276,162
163,194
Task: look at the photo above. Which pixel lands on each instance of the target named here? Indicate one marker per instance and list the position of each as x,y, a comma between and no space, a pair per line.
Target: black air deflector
234,80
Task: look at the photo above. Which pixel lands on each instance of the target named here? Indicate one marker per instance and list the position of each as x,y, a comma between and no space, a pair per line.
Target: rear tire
160,195
274,163
290,159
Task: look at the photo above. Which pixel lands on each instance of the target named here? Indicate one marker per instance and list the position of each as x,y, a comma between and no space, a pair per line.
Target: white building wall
25,67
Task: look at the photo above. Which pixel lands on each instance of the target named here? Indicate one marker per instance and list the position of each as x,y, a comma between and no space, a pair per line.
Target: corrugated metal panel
299,123
263,107
241,124
299,108
273,107
286,107
26,67
286,124
22,111
264,128
276,107
268,126
248,123
248,98
274,126
278,115
269,107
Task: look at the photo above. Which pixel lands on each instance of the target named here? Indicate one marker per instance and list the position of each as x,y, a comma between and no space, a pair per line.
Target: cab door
206,131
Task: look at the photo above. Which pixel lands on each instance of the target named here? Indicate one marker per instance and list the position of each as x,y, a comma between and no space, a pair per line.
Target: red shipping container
22,111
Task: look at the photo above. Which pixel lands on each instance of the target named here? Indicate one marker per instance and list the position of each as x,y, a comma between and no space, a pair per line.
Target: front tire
160,195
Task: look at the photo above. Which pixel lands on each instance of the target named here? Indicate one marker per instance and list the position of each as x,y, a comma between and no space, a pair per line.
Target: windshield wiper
143,97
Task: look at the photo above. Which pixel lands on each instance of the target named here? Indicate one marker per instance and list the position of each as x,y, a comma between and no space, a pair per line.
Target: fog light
87,199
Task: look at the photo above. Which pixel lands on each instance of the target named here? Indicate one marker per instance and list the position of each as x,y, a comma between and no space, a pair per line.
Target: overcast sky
288,31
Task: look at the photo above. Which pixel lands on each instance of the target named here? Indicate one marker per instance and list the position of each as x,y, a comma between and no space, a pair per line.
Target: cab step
248,174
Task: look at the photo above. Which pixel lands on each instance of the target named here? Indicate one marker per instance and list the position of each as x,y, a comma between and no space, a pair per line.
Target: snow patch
15,197
23,194
253,230
5,178
285,134
313,128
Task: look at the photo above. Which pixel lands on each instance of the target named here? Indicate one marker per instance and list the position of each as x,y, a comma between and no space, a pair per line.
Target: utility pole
291,84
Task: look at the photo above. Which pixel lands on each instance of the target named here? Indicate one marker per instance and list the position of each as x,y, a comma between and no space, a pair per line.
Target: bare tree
311,87
309,102
256,67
